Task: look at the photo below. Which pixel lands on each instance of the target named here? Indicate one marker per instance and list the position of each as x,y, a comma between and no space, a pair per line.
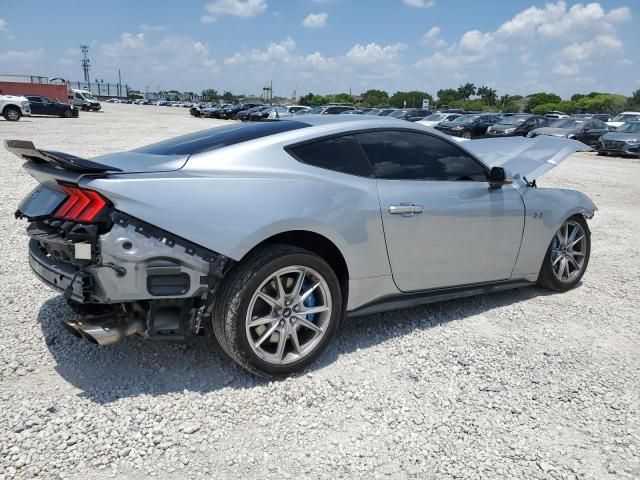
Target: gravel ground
521,385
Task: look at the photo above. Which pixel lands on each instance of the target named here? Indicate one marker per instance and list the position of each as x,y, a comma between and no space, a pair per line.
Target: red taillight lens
81,205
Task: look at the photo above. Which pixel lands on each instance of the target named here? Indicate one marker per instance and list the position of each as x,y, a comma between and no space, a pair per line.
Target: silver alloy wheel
568,251
288,315
13,114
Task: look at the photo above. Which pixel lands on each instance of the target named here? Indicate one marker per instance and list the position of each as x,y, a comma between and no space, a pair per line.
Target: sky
330,46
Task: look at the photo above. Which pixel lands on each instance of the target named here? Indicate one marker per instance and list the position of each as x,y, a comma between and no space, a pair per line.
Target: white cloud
420,3
22,57
432,38
3,24
374,53
600,46
152,28
236,8
566,69
275,52
315,20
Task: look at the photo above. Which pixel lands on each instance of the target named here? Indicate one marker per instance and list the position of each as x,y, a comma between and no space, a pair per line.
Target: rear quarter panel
223,201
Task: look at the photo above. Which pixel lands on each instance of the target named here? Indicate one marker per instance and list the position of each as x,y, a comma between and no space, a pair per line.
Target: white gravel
519,385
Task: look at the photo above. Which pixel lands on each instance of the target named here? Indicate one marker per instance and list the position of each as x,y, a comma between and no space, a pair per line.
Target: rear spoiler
27,151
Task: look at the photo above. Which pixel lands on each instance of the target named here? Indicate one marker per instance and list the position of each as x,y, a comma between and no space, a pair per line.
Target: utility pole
86,64
119,84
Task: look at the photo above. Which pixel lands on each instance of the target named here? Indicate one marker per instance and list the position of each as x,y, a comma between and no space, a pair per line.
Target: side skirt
407,300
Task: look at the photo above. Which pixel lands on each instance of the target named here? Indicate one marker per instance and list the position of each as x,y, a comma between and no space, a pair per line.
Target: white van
84,99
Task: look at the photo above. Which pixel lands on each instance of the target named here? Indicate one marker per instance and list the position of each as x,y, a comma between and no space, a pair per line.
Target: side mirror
498,177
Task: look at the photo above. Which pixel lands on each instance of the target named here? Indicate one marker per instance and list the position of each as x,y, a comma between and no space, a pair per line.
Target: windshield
512,120
316,110
629,127
385,113
398,113
567,123
625,117
375,111
466,119
88,96
435,117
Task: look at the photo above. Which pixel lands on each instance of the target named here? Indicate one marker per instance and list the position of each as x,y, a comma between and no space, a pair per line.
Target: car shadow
136,366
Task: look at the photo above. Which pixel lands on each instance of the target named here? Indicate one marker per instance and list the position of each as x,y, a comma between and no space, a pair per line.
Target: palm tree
489,95
467,90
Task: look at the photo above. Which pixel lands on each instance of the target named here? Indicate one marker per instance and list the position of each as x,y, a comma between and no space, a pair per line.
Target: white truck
13,107
84,100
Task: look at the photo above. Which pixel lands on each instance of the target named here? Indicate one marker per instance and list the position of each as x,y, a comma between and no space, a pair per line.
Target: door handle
406,209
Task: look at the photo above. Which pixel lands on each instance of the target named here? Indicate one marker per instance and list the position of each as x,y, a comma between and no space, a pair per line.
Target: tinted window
341,154
401,155
215,138
598,124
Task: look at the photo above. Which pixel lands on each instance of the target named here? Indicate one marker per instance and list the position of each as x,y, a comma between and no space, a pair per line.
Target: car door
443,225
597,129
49,107
37,108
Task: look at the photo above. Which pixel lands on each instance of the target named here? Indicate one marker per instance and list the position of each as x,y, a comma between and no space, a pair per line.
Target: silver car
625,140
264,236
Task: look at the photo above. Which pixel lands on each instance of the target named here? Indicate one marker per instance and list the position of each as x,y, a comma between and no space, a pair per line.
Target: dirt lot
523,384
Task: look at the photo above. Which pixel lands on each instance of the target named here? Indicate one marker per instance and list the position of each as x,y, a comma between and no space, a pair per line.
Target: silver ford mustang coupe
265,236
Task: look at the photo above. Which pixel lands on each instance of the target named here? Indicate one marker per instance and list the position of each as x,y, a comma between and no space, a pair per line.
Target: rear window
212,139
340,154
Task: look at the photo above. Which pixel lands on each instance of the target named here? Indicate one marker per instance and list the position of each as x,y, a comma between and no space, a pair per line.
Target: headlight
457,128
25,104
510,130
531,135
571,135
634,141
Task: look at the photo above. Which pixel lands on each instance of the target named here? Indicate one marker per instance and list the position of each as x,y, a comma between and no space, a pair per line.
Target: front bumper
618,148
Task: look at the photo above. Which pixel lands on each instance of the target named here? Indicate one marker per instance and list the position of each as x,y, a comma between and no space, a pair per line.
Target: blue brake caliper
310,301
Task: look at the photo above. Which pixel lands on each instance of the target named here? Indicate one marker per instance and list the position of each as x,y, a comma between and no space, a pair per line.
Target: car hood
621,136
555,132
528,157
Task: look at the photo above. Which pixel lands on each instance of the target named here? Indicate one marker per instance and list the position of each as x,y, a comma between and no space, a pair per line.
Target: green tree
343,98
375,98
601,103
448,96
488,95
541,98
466,91
561,106
210,94
411,99
228,97
633,102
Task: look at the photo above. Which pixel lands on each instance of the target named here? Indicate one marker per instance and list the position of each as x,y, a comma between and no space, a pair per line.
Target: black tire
67,114
234,295
12,114
602,153
467,135
85,108
547,278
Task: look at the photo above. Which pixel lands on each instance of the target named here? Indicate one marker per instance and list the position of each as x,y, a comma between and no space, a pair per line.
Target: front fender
545,211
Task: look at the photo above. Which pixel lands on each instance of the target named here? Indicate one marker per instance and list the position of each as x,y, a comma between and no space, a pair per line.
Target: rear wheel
278,310
567,256
12,114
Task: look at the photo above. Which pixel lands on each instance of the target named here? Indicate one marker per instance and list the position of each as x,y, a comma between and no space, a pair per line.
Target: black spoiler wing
26,150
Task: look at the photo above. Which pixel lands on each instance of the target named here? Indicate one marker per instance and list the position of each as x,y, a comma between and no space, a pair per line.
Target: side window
598,124
402,155
78,96
341,154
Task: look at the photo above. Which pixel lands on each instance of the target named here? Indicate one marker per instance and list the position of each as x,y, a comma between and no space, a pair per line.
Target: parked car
46,106
385,112
14,107
437,118
330,109
517,125
587,131
556,114
272,284
298,108
270,112
244,114
352,112
469,126
622,118
625,140
212,112
84,100
259,114
410,114
374,112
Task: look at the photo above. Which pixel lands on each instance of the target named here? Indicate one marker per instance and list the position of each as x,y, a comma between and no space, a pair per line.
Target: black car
469,126
517,125
244,114
232,112
410,114
585,130
45,106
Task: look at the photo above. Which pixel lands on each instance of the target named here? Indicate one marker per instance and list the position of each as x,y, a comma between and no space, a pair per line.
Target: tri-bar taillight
81,205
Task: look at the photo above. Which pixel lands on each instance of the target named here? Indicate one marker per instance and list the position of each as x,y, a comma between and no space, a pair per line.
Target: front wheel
567,256
67,114
277,310
467,135
12,114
